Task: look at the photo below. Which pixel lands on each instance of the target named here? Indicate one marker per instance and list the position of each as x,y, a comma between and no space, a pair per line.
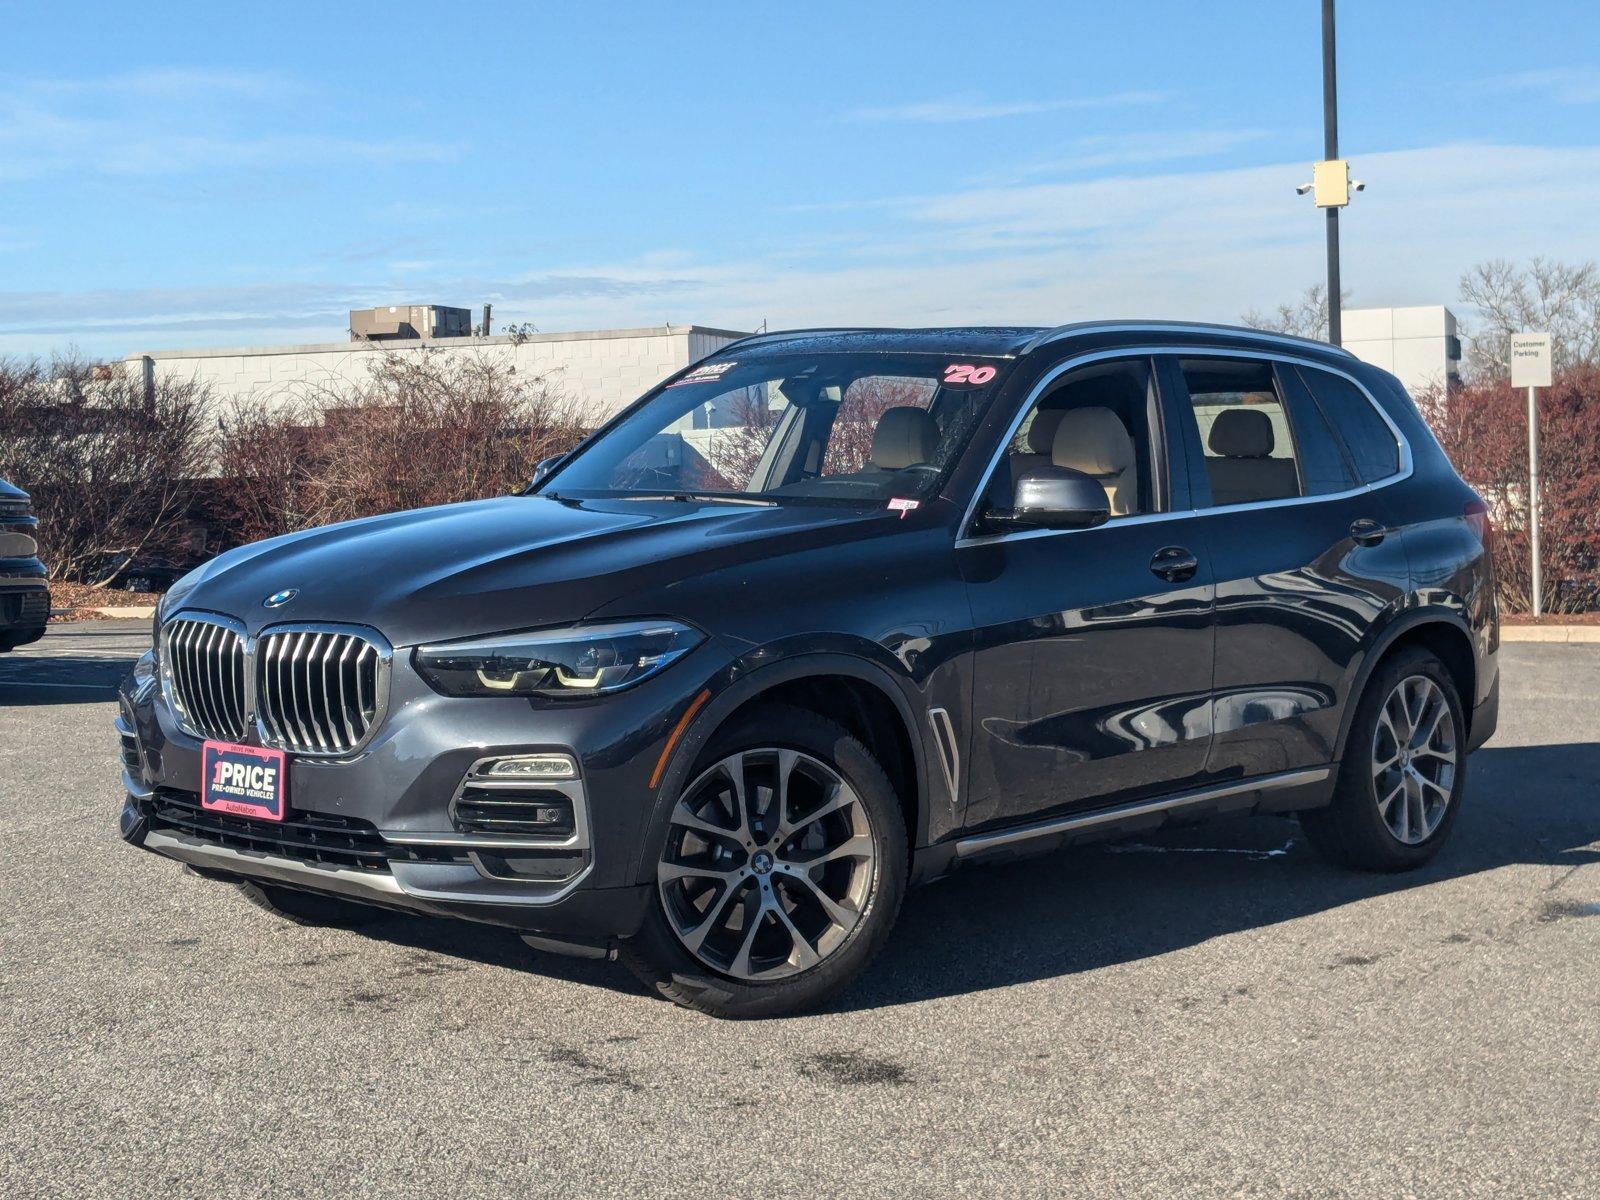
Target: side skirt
1285,792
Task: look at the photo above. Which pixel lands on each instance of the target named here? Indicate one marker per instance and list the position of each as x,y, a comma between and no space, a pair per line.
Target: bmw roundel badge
279,599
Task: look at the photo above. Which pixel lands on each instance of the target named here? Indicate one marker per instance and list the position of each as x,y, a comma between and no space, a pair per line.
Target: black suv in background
24,596
828,614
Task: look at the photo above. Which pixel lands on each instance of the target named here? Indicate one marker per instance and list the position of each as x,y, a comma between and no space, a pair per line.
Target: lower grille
329,841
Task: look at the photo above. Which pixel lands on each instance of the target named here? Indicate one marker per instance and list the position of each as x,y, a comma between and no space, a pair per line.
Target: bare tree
110,464
1561,298
1305,317
426,427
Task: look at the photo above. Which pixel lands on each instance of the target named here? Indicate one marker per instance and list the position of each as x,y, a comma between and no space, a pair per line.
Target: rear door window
1323,466
1244,430
1366,435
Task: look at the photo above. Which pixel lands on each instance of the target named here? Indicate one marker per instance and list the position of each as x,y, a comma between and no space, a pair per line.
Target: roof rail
1080,327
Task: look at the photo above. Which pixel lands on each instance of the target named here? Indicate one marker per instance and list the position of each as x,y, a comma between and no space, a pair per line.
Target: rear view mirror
1055,498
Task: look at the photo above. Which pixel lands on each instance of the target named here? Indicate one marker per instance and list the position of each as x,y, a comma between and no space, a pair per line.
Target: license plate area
246,781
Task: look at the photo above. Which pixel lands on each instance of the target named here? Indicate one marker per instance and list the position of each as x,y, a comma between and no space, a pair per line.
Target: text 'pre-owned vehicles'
832,613
24,594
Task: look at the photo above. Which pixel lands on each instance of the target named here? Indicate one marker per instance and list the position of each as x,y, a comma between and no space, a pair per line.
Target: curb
122,610
1566,634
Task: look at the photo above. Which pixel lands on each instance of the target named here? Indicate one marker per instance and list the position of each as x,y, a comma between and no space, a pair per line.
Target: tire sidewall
659,958
1356,782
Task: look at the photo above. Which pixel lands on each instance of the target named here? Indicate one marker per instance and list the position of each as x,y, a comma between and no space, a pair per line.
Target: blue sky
201,174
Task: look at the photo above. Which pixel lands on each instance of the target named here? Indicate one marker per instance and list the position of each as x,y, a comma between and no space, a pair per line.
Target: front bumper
24,609
377,827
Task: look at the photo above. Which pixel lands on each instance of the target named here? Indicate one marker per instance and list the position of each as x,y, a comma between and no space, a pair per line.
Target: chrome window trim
965,539
1078,329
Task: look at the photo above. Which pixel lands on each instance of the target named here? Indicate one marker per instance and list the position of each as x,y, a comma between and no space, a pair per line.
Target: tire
808,937
1380,820
309,908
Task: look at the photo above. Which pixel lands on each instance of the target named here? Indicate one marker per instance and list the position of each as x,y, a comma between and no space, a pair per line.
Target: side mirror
1055,498
542,468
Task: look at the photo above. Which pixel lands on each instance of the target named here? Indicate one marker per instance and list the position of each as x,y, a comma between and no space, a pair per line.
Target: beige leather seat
1244,471
904,437
1096,442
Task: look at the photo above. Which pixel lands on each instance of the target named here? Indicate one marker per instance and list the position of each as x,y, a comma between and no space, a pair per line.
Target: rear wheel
1403,771
781,872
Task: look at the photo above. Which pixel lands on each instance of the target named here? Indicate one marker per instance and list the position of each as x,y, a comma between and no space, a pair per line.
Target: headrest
904,436
1042,432
1092,440
1241,433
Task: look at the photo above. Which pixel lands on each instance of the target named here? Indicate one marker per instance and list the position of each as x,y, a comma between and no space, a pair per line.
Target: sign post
1530,368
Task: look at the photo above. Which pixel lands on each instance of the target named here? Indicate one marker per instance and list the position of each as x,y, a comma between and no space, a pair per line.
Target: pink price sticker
903,506
967,375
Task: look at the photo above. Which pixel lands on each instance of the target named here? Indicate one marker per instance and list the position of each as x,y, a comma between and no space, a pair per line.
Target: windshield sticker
903,506
967,375
706,373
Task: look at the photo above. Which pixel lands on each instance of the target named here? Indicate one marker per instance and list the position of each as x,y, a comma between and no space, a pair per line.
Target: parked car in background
832,613
24,595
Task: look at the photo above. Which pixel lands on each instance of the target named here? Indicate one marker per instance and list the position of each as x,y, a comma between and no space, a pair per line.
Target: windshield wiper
692,497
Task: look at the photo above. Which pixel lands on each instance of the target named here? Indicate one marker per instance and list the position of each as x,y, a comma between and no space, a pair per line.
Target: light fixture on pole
1330,179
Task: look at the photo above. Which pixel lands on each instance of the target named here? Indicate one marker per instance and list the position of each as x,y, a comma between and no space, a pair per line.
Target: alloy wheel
768,865
1414,757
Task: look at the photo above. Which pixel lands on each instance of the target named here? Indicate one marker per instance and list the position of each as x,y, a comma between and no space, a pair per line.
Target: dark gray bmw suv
828,614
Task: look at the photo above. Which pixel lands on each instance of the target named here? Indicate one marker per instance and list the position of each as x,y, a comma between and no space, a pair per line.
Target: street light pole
1330,151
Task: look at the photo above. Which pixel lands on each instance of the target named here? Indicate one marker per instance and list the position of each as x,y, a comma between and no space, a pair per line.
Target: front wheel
781,872
1403,771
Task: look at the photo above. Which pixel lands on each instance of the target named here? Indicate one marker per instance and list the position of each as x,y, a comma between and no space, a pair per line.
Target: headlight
585,660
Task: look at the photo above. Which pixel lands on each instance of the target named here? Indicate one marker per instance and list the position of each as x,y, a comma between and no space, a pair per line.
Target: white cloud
174,122
975,109
1564,85
1200,245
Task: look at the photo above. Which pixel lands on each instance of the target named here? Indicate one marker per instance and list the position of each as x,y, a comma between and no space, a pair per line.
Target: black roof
1004,340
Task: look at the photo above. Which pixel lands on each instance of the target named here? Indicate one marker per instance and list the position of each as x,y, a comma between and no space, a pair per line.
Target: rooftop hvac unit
401,321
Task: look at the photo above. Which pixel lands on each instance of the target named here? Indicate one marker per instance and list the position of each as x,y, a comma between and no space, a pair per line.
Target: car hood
488,566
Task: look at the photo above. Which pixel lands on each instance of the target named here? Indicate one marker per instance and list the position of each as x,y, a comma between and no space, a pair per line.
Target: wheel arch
856,693
1438,630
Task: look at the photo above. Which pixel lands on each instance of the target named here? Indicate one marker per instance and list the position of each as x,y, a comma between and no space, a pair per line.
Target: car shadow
1096,906
30,680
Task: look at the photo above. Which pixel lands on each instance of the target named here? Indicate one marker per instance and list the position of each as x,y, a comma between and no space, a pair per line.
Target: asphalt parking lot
1211,1012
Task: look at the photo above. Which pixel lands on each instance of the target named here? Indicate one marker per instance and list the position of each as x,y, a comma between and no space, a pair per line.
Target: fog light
528,766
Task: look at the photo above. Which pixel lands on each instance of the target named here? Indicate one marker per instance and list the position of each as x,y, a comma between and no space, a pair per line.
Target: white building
1419,346
602,369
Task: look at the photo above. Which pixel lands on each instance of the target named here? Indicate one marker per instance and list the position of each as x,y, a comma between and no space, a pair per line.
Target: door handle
1174,564
1367,532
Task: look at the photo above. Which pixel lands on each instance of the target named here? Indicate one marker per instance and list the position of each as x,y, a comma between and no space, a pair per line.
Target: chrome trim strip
1079,328
368,884
964,539
136,788
1264,783
950,753
372,886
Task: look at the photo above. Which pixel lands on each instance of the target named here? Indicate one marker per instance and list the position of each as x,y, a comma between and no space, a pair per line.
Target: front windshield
853,428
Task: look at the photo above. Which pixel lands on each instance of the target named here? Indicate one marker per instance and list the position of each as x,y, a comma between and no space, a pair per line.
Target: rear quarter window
1367,437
